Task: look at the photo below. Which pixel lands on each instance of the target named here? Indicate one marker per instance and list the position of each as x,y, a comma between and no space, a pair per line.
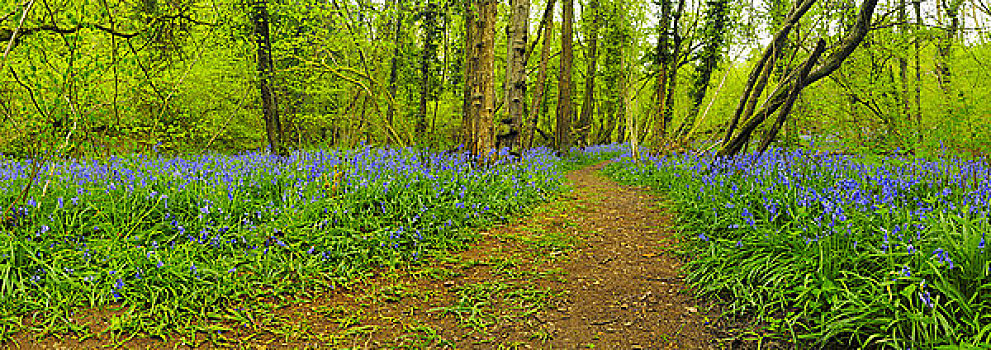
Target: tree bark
902,60
588,103
470,61
918,69
757,80
270,107
483,80
796,89
564,104
429,26
394,66
780,94
540,89
716,24
944,45
509,128
662,61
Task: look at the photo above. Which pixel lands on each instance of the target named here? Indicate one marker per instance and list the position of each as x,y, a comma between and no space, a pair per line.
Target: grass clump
171,240
834,250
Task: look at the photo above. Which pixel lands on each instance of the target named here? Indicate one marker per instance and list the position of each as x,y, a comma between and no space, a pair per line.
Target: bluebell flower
924,295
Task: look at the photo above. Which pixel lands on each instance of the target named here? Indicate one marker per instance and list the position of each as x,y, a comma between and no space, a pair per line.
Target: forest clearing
663,174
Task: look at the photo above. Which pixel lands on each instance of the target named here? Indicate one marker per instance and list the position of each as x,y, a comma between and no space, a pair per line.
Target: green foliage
176,241
832,250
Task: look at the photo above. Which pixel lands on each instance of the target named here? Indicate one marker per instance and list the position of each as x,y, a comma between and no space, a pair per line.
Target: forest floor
596,268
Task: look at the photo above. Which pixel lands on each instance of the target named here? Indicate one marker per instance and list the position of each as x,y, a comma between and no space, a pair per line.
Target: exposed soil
595,268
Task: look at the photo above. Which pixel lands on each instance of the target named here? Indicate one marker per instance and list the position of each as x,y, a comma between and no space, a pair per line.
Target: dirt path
592,269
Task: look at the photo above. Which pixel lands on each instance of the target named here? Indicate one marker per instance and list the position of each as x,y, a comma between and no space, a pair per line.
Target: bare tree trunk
757,80
944,53
663,58
918,69
273,127
944,46
429,26
588,103
394,66
541,85
631,122
483,81
624,100
509,127
443,76
468,115
902,61
564,104
779,97
796,89
716,24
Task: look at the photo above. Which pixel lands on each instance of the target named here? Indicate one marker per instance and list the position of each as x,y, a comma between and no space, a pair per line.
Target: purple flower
924,295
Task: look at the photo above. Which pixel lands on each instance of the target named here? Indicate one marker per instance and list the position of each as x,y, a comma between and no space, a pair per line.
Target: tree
482,76
666,62
788,90
616,38
428,20
508,134
564,104
588,104
397,43
270,108
713,40
540,89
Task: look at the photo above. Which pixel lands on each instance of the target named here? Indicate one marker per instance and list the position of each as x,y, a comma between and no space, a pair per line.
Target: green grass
175,242
829,250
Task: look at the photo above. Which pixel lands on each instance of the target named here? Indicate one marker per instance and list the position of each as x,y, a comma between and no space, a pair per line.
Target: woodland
791,173
180,76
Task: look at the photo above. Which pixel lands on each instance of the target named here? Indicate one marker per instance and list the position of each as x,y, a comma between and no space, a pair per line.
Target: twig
13,36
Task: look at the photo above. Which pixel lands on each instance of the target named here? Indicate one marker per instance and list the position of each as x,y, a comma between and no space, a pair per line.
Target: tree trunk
429,24
588,103
796,89
716,24
540,90
918,69
631,122
662,63
468,114
270,107
944,51
564,104
483,80
781,93
944,45
519,26
757,80
902,61
394,66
